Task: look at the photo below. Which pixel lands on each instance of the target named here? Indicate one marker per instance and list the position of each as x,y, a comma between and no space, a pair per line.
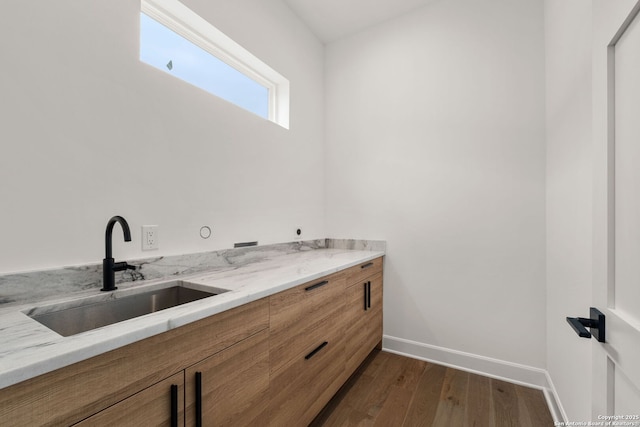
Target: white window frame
182,20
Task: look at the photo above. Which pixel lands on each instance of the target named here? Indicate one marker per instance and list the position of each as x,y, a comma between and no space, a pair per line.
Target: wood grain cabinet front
231,387
307,349
363,314
74,393
300,390
160,405
300,317
361,272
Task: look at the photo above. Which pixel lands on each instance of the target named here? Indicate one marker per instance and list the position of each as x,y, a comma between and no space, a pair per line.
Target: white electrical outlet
149,237
298,235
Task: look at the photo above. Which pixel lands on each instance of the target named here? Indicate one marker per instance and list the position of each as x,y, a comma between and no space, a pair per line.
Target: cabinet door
375,310
364,320
231,387
161,404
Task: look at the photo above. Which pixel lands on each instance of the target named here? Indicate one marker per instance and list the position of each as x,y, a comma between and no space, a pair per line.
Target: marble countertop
30,349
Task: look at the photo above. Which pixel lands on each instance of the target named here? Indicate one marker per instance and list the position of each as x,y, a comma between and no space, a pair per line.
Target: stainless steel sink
94,313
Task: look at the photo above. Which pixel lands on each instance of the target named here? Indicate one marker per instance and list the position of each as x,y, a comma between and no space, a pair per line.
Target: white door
616,286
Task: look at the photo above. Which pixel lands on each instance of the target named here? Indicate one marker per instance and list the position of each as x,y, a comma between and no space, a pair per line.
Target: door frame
610,19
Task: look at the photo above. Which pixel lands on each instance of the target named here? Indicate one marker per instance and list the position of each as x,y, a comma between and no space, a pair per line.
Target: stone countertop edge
30,349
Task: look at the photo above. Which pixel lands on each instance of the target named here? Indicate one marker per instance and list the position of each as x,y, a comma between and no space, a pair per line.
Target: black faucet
109,267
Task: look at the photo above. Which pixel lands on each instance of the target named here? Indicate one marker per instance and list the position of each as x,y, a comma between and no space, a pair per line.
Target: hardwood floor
390,390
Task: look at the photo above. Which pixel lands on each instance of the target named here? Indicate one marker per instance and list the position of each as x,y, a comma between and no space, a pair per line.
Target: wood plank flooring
390,390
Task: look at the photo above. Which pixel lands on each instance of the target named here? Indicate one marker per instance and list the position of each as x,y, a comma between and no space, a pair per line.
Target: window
166,50
177,41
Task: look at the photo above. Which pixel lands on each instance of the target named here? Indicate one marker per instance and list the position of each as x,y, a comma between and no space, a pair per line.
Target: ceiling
333,19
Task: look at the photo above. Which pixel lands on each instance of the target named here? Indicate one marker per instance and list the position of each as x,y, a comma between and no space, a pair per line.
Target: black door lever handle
578,324
595,323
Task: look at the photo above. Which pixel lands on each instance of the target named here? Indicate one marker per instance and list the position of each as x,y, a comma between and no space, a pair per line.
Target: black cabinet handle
198,399
317,285
316,350
367,265
365,296
174,405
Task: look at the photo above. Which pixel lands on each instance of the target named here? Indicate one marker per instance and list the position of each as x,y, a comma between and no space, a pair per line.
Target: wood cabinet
320,333
161,404
276,361
307,349
301,389
71,394
231,387
299,318
363,312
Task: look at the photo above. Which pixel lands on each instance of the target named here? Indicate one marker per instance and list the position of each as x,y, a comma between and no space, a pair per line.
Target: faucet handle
119,266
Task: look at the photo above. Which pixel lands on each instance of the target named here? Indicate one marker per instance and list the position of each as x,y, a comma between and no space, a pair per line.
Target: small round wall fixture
205,232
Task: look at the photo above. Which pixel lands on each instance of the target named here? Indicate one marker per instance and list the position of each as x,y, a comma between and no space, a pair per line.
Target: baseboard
495,368
554,403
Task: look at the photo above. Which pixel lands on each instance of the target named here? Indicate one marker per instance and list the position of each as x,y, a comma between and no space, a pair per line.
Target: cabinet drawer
300,317
360,272
301,390
152,406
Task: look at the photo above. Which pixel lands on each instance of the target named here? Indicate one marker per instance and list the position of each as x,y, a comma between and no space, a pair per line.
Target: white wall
435,142
88,131
568,33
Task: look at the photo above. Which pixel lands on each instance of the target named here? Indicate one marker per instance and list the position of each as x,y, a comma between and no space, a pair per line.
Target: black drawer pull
198,399
313,353
317,285
369,294
174,405
367,265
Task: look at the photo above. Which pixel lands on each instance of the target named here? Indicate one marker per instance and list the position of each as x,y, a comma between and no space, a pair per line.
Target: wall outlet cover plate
150,237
